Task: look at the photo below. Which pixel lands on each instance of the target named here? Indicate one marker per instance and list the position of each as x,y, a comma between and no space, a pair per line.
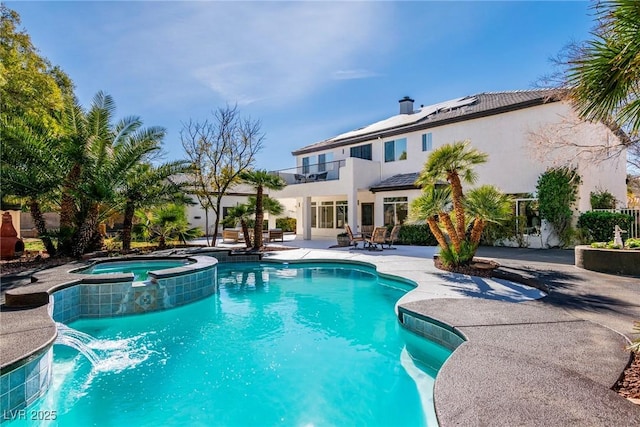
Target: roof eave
393,188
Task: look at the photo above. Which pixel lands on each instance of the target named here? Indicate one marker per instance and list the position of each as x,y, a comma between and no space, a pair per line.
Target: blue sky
307,70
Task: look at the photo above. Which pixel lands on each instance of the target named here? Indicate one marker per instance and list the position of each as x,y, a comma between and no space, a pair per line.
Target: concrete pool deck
550,361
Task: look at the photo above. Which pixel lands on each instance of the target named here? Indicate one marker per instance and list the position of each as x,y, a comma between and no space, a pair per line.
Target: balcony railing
328,171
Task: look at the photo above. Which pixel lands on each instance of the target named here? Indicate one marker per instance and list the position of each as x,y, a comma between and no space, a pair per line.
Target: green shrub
416,234
633,243
605,245
557,192
449,257
286,224
600,225
602,199
513,229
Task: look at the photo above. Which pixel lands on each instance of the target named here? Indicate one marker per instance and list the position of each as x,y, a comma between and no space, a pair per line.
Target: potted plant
343,239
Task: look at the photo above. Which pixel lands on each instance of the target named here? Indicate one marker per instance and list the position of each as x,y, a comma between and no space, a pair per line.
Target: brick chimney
406,105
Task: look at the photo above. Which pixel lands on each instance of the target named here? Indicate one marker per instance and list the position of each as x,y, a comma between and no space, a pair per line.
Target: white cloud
353,74
248,51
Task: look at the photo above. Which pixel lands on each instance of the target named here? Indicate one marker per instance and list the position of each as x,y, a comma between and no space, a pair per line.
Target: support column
306,218
352,210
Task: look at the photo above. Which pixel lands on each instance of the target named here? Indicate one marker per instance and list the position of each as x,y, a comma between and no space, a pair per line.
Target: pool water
309,345
138,268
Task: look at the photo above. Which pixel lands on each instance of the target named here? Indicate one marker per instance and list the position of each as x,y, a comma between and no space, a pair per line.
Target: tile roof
459,109
404,181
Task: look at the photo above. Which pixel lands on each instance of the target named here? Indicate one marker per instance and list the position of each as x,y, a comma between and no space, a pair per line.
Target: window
314,215
426,142
341,213
395,210
527,215
395,150
362,152
309,163
367,214
323,159
326,215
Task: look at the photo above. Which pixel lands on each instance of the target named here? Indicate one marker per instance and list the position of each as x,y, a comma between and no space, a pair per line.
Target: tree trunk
162,242
257,230
85,234
476,232
437,232
451,231
245,232
41,226
68,210
217,211
457,197
206,225
127,225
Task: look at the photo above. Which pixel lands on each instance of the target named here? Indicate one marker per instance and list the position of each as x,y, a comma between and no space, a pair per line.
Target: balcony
329,171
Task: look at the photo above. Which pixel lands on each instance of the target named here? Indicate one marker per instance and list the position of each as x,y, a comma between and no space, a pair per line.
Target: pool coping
493,378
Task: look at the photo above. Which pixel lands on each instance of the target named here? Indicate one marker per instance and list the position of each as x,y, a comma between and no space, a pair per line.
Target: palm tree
486,204
32,168
110,152
605,76
242,213
434,203
453,163
167,222
259,180
147,186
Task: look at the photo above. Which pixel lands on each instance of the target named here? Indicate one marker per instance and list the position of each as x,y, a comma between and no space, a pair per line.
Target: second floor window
427,142
362,152
305,164
395,150
323,160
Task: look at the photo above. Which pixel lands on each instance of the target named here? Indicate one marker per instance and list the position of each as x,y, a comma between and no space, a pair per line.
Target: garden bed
612,261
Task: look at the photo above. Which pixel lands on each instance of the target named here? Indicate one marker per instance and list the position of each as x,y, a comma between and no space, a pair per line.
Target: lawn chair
378,237
393,236
276,234
353,238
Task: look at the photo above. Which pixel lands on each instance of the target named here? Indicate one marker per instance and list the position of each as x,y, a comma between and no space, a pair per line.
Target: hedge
600,225
286,224
416,234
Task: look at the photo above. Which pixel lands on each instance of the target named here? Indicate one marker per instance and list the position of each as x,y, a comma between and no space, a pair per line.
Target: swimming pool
312,344
138,268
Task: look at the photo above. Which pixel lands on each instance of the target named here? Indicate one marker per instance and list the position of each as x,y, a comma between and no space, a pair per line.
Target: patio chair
379,237
322,176
353,238
393,236
367,230
276,234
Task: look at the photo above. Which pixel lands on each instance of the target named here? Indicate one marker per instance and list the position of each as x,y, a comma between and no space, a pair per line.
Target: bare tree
220,149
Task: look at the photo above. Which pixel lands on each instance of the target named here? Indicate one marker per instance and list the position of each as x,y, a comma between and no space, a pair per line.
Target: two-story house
366,177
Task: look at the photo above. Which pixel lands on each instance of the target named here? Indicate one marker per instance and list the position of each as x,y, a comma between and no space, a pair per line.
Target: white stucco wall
514,164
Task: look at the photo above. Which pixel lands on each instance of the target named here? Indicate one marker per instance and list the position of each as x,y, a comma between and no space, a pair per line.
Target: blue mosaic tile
32,388
4,401
16,378
17,397
4,384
